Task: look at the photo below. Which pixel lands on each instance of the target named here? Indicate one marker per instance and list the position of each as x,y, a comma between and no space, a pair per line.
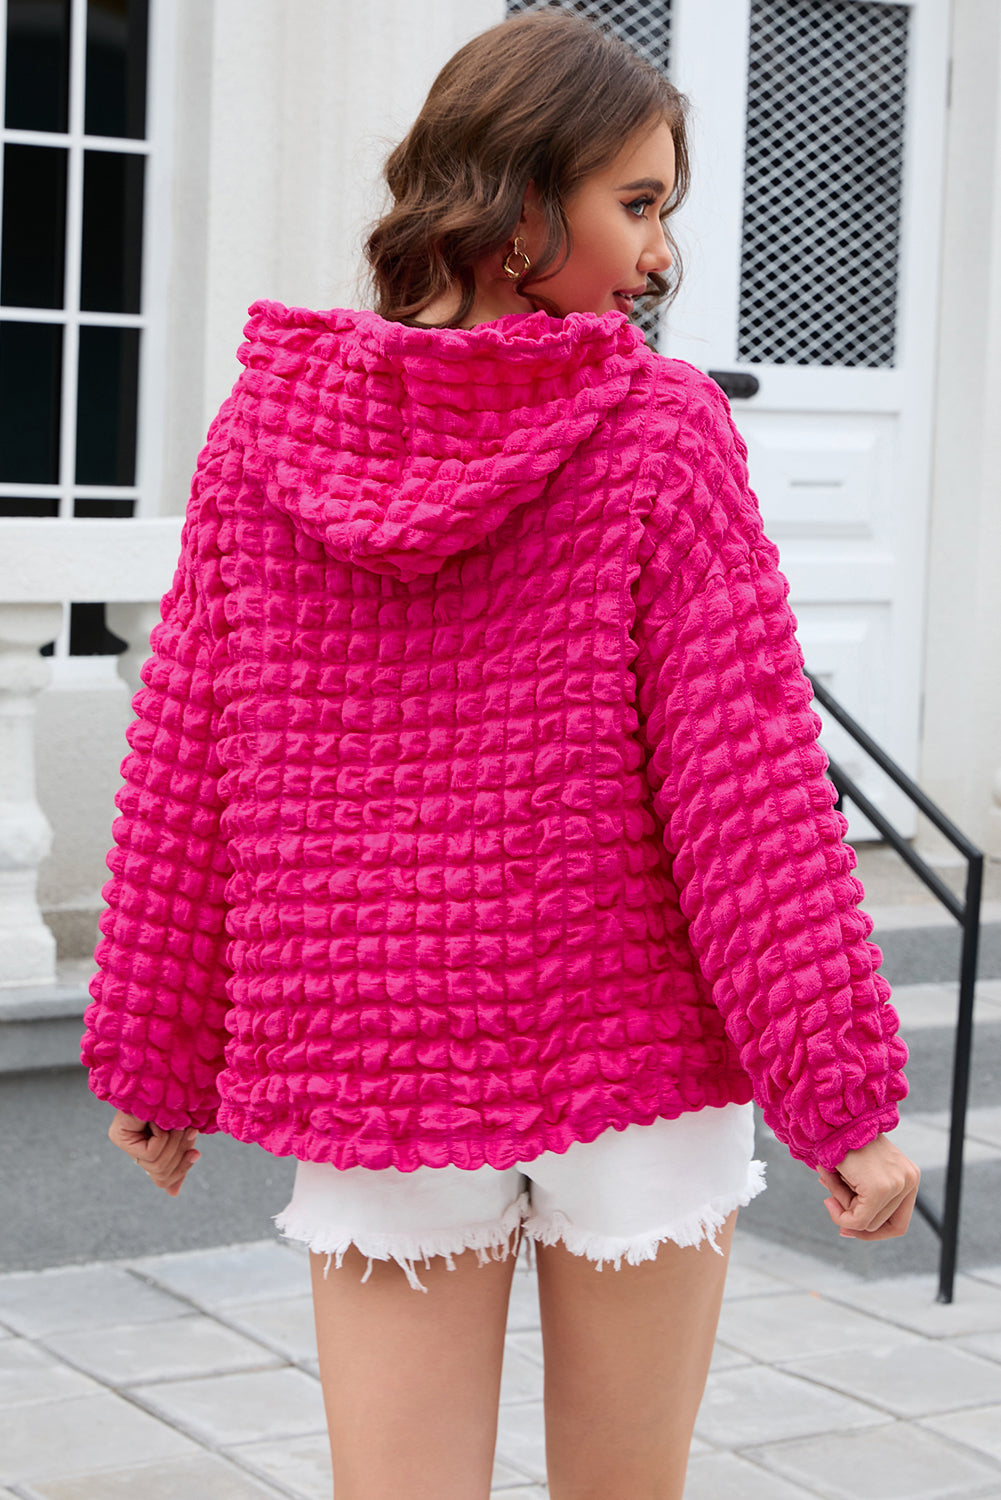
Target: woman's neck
496,297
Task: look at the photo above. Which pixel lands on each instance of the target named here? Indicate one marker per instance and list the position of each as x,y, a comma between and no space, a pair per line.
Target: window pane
37,64
27,506
30,372
34,226
115,101
89,633
90,509
112,232
106,406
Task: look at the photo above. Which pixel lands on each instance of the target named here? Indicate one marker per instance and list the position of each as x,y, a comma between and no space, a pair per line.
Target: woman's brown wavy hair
545,98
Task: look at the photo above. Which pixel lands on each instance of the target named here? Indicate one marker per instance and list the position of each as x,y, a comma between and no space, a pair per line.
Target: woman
476,847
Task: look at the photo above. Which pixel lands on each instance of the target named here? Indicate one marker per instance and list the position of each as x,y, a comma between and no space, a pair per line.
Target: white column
133,623
961,753
27,947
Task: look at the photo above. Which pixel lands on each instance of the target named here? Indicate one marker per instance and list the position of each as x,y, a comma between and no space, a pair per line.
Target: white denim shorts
614,1198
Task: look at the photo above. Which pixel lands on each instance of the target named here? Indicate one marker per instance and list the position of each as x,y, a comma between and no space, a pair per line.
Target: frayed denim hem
699,1227
490,1241
493,1240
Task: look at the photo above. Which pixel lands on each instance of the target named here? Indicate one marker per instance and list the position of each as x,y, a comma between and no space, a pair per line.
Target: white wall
961,759
307,100
284,115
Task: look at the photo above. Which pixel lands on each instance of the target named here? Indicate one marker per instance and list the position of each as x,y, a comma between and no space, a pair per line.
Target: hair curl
544,98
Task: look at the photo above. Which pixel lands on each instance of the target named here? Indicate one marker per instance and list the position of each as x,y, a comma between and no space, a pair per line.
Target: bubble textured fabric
474,804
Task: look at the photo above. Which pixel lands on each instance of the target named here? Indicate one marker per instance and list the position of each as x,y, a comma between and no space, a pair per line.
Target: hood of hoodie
397,447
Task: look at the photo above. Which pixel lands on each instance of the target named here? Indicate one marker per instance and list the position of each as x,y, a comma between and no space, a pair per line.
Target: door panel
830,472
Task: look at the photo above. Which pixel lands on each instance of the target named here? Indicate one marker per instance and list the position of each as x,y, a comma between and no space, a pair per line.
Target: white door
811,245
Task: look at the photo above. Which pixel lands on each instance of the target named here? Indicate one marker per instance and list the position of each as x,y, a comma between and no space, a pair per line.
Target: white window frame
151,320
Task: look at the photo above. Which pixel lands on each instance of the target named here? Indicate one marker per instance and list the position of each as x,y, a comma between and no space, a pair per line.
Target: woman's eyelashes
638,207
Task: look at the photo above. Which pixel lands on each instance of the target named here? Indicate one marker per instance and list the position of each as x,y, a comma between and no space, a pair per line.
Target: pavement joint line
888,1319
158,1380
194,1308
750,1457
274,1484
233,1457
299,1362
119,1388
983,1278
209,1444
750,1452
219,1314
876,1402
747,1449
965,1449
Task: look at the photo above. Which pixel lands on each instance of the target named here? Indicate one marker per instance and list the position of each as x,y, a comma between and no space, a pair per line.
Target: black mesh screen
822,191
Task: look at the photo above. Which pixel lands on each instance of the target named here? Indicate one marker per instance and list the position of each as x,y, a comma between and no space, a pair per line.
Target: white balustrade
44,563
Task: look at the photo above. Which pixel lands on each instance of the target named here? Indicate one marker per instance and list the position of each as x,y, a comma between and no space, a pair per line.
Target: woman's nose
658,254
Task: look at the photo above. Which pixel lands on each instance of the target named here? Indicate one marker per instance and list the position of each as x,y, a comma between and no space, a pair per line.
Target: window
72,308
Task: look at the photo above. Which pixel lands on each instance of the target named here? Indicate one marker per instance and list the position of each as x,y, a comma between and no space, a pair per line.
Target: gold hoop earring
513,273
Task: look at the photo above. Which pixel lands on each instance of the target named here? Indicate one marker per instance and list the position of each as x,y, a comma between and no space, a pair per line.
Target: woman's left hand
872,1191
166,1156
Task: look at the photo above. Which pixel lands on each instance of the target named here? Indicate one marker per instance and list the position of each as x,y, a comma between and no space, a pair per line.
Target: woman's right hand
166,1156
872,1191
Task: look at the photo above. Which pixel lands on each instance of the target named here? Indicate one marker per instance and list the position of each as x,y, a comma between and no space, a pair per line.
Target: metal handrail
967,914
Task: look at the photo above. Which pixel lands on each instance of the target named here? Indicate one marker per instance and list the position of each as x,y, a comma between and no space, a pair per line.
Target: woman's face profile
617,236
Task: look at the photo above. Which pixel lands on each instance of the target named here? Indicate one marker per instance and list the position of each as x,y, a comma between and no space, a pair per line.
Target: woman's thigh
632,1234
627,1353
411,1383
410,1353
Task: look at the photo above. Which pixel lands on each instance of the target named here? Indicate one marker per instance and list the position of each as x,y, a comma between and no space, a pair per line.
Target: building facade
167,162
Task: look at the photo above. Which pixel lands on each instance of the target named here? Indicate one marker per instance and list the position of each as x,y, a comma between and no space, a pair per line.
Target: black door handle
737,384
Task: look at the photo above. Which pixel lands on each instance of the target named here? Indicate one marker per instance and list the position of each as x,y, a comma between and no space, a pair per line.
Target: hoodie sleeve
155,1029
746,809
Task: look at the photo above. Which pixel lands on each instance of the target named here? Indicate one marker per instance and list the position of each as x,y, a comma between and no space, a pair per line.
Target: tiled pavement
193,1377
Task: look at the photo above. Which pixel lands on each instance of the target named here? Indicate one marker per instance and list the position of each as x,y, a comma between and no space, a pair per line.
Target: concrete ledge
41,1025
49,1002
105,560
924,914
930,954
36,1046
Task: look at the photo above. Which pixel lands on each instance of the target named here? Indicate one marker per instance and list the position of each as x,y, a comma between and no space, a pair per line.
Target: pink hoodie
474,804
